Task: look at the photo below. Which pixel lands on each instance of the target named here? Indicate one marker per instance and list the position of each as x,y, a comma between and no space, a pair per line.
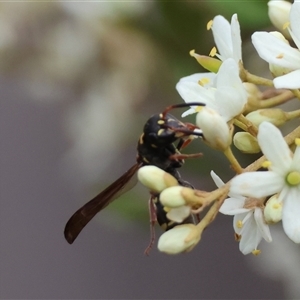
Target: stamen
266,164
256,252
209,24
297,141
239,224
213,52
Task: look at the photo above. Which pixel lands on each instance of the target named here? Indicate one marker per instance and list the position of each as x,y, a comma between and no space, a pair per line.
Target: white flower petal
288,81
291,213
188,112
257,184
236,38
178,214
274,147
200,76
295,22
230,103
217,180
296,159
233,206
237,219
194,92
250,236
275,51
222,36
261,225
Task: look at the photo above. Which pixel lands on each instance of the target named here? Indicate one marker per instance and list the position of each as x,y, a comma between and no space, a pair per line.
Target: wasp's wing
84,214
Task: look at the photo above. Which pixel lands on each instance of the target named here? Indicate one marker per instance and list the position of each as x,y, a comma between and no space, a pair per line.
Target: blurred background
78,82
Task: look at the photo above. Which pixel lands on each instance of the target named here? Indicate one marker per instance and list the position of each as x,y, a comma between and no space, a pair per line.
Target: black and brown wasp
155,147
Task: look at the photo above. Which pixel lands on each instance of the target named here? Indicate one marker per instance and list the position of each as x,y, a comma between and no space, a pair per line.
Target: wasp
155,147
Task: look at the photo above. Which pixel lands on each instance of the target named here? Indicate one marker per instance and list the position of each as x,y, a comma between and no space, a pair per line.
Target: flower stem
234,163
276,100
296,93
293,114
248,77
250,127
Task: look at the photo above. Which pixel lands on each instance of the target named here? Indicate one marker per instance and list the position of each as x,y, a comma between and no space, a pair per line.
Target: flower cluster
268,190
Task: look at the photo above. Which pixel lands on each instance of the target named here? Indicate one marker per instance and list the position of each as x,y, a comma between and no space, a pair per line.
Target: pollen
297,141
256,252
209,24
293,178
239,224
203,81
213,52
280,55
266,164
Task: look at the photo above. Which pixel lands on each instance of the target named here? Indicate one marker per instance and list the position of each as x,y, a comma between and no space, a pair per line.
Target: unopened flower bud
172,197
246,142
177,196
275,116
155,178
279,12
215,130
174,241
273,210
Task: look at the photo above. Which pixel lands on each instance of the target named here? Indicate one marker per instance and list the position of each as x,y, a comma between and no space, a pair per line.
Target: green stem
233,161
248,125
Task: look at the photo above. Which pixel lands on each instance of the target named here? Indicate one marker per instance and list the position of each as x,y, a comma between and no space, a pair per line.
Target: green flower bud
246,142
275,116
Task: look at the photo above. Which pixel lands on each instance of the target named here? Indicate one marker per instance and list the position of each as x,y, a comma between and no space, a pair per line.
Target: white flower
223,92
248,221
283,178
279,11
174,241
276,51
227,38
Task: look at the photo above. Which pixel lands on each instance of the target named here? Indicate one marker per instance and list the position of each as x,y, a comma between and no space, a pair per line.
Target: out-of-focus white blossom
276,51
279,11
